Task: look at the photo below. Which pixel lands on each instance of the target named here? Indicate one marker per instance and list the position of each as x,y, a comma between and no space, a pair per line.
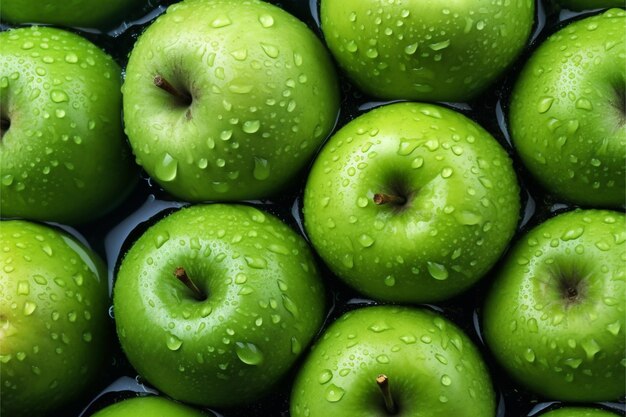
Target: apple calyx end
183,97
381,198
383,384
182,276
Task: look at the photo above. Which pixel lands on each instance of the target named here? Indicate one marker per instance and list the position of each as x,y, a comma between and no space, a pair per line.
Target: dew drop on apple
221,21
167,168
161,239
29,308
296,346
529,355
437,271
58,96
366,240
446,381
266,20
389,281
334,393
248,353
173,343
379,327
7,180
290,306
261,169
383,359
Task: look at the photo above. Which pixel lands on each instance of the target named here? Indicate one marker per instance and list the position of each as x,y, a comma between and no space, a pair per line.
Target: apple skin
64,156
265,303
579,5
149,407
567,112
431,51
462,210
82,13
563,345
54,326
253,72
578,412
434,369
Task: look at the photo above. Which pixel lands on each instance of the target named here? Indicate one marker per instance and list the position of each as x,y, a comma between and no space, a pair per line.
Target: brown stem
383,384
389,199
165,85
181,274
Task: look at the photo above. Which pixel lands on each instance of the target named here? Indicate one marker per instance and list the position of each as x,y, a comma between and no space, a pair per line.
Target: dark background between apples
114,234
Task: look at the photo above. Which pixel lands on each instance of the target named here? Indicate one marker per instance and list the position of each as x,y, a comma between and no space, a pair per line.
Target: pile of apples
351,208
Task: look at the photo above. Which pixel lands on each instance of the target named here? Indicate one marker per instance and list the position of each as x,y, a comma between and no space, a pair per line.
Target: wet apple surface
113,235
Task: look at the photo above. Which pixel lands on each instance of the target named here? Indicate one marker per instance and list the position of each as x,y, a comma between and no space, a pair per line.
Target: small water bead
266,20
262,169
167,168
58,96
221,22
446,380
437,271
334,393
270,50
248,353
325,376
173,343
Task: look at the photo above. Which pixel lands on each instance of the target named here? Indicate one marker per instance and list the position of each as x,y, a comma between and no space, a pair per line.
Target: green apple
578,412
384,361
567,111
426,50
213,304
411,203
83,13
54,327
149,407
228,100
63,155
555,316
589,4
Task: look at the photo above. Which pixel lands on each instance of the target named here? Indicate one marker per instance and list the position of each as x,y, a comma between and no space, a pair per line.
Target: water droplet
248,353
221,22
270,50
173,342
529,355
161,239
167,169
58,96
591,348
325,376
7,179
366,240
29,308
583,104
261,169
544,104
382,359
440,45
437,271
296,347
71,58
255,262
251,126
468,218
266,20
23,288
390,281
290,306
334,393
532,325
446,380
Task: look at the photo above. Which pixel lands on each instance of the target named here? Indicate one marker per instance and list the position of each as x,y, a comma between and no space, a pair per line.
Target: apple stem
182,276
165,85
381,198
383,383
